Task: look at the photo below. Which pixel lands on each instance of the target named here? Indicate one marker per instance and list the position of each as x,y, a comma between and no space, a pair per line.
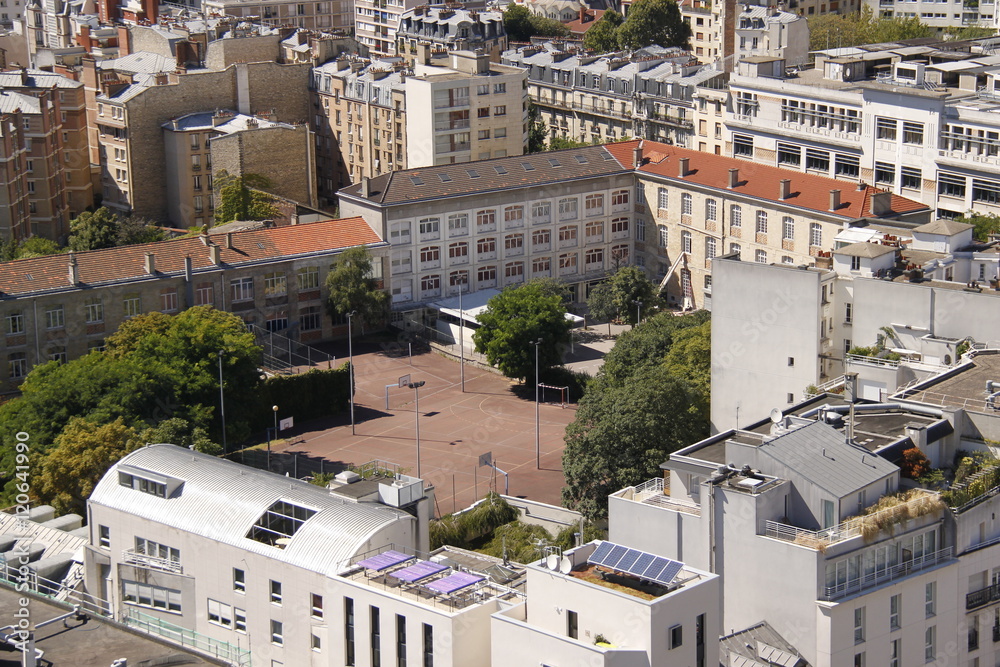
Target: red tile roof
578,27
757,180
98,267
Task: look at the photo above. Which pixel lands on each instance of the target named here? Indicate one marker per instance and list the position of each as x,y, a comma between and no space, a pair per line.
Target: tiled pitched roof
490,175
98,267
758,180
576,26
943,227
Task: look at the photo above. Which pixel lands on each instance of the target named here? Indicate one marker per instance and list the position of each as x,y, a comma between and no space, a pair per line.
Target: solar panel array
637,563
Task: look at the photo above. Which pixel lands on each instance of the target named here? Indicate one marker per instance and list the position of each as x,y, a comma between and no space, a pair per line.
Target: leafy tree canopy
516,317
560,143
601,304
829,31
134,229
654,22
623,433
536,129
352,288
602,37
517,23
632,293
647,345
983,224
242,198
93,230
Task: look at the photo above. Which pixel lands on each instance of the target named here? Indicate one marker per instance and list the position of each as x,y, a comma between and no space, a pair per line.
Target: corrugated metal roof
221,501
819,453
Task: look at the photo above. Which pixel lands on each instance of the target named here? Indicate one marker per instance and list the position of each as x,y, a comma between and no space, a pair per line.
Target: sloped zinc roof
819,453
221,501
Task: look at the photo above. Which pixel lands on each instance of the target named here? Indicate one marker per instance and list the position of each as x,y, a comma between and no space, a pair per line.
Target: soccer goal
552,393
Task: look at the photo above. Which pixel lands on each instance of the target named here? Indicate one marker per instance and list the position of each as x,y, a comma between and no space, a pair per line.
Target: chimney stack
881,203
861,186
834,200
850,387
213,254
734,178
74,271
150,263
229,240
784,188
187,268
637,153
683,169
204,236
366,190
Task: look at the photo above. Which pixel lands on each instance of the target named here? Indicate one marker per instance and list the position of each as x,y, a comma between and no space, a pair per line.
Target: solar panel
602,551
454,582
642,562
669,572
419,571
616,555
628,560
653,571
384,561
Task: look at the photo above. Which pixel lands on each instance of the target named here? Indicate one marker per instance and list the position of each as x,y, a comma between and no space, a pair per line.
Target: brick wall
280,154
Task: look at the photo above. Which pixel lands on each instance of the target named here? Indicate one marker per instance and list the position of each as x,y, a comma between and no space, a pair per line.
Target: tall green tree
537,134
36,246
601,304
648,345
622,434
517,23
690,358
93,230
654,22
352,288
632,293
546,27
135,229
983,224
602,37
830,31
243,198
513,320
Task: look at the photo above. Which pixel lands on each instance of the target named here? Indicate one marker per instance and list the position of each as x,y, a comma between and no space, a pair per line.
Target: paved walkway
455,428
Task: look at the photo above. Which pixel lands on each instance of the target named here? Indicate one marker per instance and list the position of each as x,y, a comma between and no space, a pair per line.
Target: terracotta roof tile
98,267
757,180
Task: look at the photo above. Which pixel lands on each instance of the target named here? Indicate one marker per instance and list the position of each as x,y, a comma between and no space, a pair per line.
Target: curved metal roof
221,500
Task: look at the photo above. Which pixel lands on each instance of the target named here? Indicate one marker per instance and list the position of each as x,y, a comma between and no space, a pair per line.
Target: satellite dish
565,565
552,562
776,416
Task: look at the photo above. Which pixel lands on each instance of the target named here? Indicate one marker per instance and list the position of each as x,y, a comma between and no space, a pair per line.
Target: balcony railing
880,577
133,557
982,597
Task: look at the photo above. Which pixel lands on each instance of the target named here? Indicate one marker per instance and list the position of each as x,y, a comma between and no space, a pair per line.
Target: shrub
915,464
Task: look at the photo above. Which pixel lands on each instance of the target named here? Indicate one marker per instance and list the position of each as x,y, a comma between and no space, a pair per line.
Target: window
348,631
458,225
104,537
241,289
429,227
686,205
568,208
710,247
817,160
815,234
204,294
316,643
847,166
930,591
514,270
663,234
55,318
662,198
486,247
885,173
239,580
514,244
154,597
376,637
910,178
220,613
735,249
431,284
593,204
849,313
594,257
458,253
619,198
486,220
859,659
17,365
951,185
513,216
428,645
859,625
930,638
541,265
894,651
987,192
94,309
316,604
431,255
913,133
308,278
676,636
742,145
735,216
787,229
275,284
640,230
500,110
761,222
277,633
760,257
15,323
400,640
275,592
885,129
487,274
572,624
541,212
710,210
540,239
168,300
789,155
619,227
685,241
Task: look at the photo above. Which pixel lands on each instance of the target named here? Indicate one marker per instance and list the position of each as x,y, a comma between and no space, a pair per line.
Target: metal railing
982,597
871,361
879,577
234,655
133,557
284,355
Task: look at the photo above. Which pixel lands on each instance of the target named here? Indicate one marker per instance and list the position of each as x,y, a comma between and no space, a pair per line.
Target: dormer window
147,481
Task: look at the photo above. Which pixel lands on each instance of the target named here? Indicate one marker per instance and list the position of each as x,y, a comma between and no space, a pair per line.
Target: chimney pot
784,188
881,203
150,263
229,240
366,189
834,200
74,271
734,177
213,254
637,154
683,168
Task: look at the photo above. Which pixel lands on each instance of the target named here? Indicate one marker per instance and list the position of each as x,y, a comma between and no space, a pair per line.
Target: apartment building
197,146
921,291
941,16
61,307
918,121
372,117
451,28
310,15
376,23
647,94
698,204
133,96
58,167
15,221
903,582
488,224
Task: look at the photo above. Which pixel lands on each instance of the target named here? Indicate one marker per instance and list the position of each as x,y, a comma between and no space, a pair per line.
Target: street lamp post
638,310
274,408
461,332
538,447
350,357
222,405
416,415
